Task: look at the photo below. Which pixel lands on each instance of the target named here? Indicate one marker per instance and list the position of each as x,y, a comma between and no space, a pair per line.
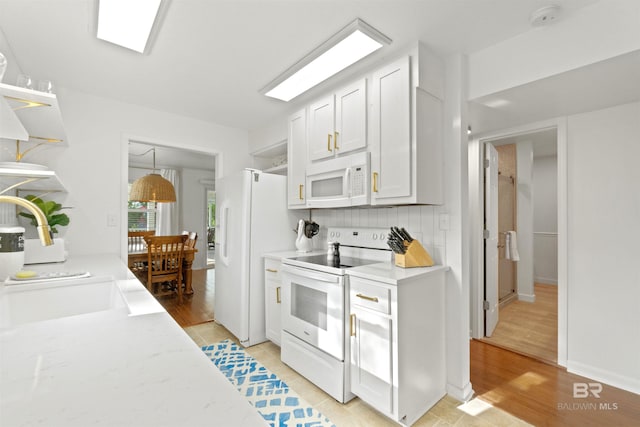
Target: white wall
542,52
94,165
545,220
524,160
419,221
604,279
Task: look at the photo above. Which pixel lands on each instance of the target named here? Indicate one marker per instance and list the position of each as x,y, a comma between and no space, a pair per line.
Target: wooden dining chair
136,239
191,239
164,264
135,244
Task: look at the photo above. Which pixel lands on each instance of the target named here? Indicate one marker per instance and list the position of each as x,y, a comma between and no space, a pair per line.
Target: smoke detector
545,15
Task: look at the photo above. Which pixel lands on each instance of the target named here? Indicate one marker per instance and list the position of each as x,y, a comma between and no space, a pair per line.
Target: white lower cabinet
397,344
273,300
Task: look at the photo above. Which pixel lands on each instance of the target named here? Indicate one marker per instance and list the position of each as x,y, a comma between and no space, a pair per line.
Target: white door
321,120
351,118
491,241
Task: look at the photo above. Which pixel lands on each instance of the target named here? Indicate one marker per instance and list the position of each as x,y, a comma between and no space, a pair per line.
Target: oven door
313,308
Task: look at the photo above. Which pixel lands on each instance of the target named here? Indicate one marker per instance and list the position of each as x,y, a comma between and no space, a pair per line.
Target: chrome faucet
44,231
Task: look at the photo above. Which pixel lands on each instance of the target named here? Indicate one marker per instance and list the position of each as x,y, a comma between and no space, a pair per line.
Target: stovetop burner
342,262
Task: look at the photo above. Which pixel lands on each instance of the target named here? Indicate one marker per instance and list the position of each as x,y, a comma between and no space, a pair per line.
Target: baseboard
527,297
545,280
462,394
607,377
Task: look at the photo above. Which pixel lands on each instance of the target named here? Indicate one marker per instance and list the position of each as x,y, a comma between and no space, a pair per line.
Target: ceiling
209,58
589,88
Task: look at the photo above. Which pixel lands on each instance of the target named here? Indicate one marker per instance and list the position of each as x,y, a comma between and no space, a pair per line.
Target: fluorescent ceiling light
345,48
127,23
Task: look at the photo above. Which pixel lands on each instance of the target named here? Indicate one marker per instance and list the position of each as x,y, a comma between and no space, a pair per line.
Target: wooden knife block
416,256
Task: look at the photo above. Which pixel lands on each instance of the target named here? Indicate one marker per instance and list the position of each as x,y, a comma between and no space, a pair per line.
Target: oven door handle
308,274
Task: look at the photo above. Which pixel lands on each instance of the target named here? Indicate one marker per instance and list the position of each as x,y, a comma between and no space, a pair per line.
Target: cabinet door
351,118
297,161
321,121
272,311
371,364
272,300
391,133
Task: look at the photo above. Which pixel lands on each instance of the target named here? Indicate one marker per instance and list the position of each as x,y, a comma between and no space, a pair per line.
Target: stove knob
337,234
381,236
375,237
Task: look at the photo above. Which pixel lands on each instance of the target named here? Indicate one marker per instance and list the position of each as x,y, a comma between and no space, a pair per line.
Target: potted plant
49,208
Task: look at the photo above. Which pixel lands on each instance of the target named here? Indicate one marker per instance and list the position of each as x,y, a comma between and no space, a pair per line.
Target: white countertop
279,256
388,272
113,368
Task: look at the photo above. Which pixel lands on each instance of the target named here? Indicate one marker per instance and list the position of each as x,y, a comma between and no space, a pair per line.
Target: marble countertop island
131,366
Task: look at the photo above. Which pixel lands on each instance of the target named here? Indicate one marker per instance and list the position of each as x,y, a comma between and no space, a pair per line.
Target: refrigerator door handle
224,227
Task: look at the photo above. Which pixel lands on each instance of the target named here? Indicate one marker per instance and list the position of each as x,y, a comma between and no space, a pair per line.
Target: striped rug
272,397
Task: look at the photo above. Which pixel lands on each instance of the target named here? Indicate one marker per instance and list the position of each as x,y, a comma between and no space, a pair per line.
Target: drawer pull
352,321
368,298
300,191
278,300
271,270
329,142
335,140
375,182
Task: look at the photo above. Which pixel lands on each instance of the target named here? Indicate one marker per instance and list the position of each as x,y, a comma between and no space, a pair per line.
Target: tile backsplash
420,221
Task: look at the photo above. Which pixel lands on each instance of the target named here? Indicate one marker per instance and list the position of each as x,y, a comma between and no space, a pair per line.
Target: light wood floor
518,389
196,308
542,394
530,328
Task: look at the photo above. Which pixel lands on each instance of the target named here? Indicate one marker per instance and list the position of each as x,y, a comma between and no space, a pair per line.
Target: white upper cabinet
321,128
338,122
391,136
297,160
406,131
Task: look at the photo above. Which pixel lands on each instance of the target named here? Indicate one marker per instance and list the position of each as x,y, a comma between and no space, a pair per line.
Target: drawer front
272,269
366,293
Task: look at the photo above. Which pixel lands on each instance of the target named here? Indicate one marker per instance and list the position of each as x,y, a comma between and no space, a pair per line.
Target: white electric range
315,307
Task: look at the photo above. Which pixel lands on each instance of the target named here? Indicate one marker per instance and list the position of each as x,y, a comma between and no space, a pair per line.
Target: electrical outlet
112,220
444,222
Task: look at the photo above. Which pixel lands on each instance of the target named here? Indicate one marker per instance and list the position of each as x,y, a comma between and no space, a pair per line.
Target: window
141,215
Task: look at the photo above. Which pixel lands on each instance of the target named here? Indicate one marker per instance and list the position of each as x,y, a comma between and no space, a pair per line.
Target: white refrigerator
251,219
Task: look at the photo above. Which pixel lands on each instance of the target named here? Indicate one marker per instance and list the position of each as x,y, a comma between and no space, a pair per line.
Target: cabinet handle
300,191
335,140
329,142
368,298
278,300
352,324
271,270
375,182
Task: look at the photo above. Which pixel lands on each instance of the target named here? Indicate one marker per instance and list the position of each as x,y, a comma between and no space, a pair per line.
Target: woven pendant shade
152,188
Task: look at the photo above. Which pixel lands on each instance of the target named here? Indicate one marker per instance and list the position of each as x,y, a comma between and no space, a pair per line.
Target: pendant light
152,187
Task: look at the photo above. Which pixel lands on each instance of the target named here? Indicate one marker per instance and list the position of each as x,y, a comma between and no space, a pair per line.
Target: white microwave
339,182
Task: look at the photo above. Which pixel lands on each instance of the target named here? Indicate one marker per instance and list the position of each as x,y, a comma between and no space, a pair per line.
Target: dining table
138,253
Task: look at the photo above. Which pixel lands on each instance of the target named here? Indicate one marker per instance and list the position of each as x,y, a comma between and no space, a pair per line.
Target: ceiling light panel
347,47
127,23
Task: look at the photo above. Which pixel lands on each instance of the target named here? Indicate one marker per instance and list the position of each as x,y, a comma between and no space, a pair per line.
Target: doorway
195,173
531,305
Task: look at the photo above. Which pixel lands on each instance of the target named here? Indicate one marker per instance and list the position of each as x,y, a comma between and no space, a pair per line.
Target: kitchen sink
36,302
